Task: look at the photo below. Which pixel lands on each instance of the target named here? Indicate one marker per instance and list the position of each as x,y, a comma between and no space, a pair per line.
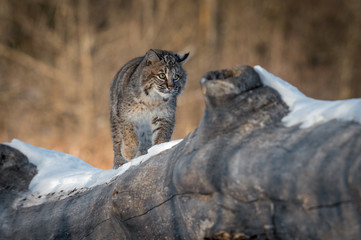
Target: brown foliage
57,58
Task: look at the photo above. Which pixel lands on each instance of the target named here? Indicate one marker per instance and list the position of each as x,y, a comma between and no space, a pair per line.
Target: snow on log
266,162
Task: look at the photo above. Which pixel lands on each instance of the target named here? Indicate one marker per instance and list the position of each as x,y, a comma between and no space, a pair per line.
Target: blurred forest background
57,58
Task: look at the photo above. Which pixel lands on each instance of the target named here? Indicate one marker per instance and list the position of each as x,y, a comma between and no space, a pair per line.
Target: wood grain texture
240,175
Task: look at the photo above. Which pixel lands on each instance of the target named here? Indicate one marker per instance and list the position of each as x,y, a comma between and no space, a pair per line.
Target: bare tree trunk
208,22
208,35
240,175
347,60
87,102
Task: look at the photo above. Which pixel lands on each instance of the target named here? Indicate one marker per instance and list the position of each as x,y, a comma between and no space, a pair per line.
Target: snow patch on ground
61,172
308,111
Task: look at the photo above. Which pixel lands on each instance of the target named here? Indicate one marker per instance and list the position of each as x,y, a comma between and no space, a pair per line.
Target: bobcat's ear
151,57
183,58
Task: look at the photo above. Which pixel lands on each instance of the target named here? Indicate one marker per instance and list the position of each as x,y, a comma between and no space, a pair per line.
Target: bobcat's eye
161,76
176,77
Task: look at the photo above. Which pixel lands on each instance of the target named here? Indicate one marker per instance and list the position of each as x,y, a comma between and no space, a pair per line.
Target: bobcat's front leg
162,130
129,141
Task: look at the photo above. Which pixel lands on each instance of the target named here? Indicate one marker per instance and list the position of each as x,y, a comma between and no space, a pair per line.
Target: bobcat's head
163,75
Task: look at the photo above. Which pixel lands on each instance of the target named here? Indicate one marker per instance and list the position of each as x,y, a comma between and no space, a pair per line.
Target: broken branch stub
236,99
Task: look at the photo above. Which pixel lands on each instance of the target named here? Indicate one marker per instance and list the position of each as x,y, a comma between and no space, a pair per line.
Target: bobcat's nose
170,86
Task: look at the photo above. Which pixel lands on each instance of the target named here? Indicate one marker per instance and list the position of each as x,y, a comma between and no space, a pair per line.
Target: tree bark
240,175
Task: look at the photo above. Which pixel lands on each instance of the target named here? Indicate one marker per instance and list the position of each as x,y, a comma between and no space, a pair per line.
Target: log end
16,171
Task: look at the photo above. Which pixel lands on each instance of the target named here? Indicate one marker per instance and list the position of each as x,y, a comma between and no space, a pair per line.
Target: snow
307,111
61,172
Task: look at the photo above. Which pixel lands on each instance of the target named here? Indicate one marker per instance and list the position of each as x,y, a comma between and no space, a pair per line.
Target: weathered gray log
240,175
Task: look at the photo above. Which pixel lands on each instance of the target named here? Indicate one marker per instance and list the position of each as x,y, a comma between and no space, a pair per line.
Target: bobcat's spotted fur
143,99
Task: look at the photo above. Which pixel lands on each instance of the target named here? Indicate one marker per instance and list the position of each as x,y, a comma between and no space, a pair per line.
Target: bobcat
143,99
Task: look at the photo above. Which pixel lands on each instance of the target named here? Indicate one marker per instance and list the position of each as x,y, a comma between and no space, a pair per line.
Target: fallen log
240,175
